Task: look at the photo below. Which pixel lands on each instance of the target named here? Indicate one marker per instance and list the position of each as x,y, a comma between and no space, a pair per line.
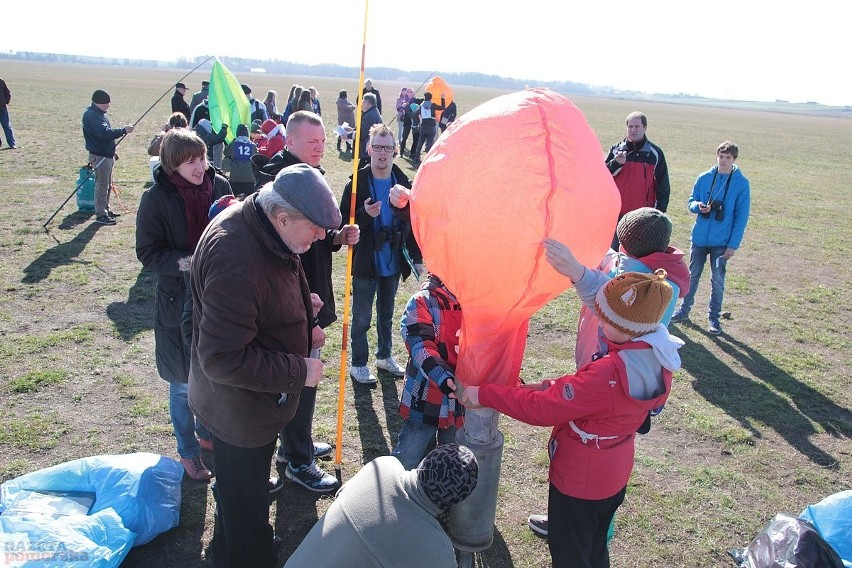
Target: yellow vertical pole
344,349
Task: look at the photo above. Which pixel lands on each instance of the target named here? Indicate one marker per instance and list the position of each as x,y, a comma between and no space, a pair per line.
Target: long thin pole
415,93
344,349
95,166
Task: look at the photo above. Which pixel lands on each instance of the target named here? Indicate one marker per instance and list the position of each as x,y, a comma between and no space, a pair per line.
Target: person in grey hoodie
387,516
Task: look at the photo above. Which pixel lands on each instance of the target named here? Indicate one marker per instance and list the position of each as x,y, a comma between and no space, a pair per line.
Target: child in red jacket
595,412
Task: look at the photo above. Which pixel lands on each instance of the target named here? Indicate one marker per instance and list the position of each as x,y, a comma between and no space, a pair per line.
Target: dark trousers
576,531
415,136
242,535
296,440
428,130
406,130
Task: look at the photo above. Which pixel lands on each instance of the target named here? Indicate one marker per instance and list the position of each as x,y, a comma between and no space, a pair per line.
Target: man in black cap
253,329
178,104
257,108
198,96
100,140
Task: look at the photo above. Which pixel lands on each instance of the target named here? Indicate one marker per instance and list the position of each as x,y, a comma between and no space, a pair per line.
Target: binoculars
715,209
388,235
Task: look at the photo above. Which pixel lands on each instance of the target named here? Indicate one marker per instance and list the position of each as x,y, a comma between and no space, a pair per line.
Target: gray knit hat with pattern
448,474
644,231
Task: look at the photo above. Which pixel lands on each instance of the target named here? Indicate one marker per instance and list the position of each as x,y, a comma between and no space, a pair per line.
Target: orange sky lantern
504,176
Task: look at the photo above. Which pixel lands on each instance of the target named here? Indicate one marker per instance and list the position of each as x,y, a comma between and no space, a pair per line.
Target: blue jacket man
721,199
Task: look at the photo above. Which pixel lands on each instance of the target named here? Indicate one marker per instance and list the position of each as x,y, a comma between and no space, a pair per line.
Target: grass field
758,423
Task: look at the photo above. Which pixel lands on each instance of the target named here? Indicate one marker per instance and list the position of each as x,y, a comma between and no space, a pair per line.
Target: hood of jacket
673,263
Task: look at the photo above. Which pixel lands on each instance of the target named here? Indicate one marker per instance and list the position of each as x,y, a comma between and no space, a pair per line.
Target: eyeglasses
380,148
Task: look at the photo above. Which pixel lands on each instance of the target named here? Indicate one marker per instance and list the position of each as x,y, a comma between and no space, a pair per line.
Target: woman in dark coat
171,217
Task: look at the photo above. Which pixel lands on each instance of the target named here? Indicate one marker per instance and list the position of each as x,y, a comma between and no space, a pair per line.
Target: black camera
388,235
717,207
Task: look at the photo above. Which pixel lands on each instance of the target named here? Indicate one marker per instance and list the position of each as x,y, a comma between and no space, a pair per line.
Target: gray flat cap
305,189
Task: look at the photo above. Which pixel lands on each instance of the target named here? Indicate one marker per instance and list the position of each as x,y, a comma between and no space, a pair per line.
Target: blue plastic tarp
90,511
832,518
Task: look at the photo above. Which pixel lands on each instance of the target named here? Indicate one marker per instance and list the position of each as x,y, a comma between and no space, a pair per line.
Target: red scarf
197,200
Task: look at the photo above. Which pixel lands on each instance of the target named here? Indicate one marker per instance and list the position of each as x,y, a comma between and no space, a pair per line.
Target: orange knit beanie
634,302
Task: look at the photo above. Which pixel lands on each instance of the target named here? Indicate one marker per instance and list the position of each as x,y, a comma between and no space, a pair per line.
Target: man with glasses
386,251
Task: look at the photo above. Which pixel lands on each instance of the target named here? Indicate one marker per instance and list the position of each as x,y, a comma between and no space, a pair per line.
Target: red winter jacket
607,400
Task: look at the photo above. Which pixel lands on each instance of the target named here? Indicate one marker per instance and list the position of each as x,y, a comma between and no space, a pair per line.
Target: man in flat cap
254,325
199,96
178,102
100,140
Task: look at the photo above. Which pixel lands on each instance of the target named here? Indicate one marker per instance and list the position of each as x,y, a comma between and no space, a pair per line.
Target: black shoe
680,316
321,450
312,478
105,220
275,484
113,214
538,524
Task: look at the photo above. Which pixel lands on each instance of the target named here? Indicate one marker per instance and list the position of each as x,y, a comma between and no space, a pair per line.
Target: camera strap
713,182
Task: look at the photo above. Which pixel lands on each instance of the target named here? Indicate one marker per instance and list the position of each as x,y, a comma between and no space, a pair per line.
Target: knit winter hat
305,189
268,125
220,205
644,231
634,302
448,474
246,89
242,130
100,97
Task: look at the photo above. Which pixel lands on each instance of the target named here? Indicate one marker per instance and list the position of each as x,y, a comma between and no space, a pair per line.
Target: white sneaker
391,366
363,375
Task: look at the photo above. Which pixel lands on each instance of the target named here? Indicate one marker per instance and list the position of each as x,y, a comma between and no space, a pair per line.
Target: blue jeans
184,423
383,289
414,440
697,258
7,126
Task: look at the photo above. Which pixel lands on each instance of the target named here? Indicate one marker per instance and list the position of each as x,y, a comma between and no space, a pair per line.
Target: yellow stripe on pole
344,357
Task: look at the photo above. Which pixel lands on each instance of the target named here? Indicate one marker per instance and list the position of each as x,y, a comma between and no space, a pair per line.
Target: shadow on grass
390,401
77,218
370,429
497,555
373,443
183,545
136,314
750,401
295,515
60,255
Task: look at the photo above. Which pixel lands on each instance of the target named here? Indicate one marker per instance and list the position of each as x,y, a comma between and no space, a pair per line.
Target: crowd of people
245,294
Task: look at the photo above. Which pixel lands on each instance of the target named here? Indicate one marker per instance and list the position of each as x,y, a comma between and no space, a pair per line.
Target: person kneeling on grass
596,411
388,515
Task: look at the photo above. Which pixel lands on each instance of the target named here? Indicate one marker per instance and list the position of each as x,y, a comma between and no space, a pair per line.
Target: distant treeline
237,64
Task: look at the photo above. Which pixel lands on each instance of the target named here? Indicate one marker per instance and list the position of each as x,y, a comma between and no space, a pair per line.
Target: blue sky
754,49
